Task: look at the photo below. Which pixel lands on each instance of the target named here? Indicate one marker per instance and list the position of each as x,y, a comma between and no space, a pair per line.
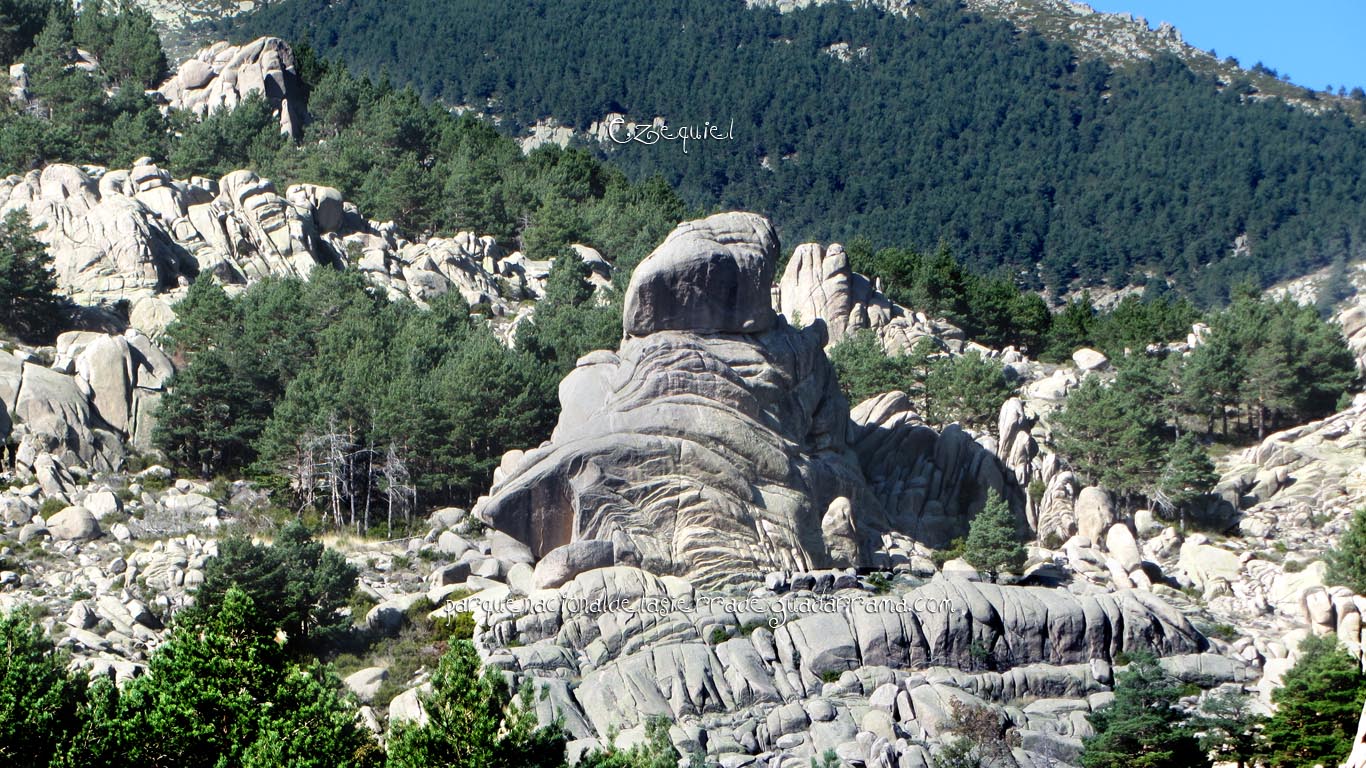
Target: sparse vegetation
954,551
879,582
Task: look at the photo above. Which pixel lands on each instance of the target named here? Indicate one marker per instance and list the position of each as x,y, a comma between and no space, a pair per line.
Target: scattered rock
366,683
1088,360
74,524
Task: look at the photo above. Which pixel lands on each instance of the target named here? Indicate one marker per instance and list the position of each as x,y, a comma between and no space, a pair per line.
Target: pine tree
1212,380
208,417
1071,329
865,370
993,542
1111,438
296,584
968,389
569,322
1189,473
21,21
39,700
1347,561
1230,727
29,305
71,100
220,692
1143,727
134,56
472,722
1317,706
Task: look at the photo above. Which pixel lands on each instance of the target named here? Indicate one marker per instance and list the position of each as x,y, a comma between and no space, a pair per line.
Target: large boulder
1119,540
53,416
1057,516
709,276
820,285
564,563
1087,359
1095,512
74,524
712,443
637,655
1353,320
107,365
366,683
931,484
1206,564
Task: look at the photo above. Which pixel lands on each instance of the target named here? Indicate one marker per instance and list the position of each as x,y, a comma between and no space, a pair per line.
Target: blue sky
1316,42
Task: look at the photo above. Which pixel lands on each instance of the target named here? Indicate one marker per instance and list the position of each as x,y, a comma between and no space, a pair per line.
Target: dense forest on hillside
941,126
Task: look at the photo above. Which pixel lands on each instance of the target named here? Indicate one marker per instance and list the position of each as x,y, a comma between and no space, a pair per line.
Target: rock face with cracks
715,443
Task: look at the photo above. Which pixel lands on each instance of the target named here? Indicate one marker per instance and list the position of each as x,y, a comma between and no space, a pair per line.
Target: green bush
471,721
1317,706
40,702
296,584
456,626
359,605
953,552
657,751
879,582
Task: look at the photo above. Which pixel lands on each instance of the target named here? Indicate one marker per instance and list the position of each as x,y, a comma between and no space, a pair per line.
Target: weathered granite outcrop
713,453
139,236
929,482
221,76
715,443
795,674
1353,320
819,285
79,409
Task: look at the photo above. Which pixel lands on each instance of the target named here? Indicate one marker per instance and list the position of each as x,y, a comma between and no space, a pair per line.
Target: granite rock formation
715,443
222,75
819,285
139,236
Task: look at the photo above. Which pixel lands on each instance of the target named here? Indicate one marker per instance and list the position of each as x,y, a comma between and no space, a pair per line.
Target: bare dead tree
398,488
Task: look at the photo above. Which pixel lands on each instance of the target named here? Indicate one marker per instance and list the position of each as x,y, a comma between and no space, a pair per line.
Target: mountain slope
938,124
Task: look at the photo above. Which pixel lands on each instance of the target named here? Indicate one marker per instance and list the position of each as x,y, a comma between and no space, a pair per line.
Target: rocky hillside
137,236
712,535
715,535
1121,38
